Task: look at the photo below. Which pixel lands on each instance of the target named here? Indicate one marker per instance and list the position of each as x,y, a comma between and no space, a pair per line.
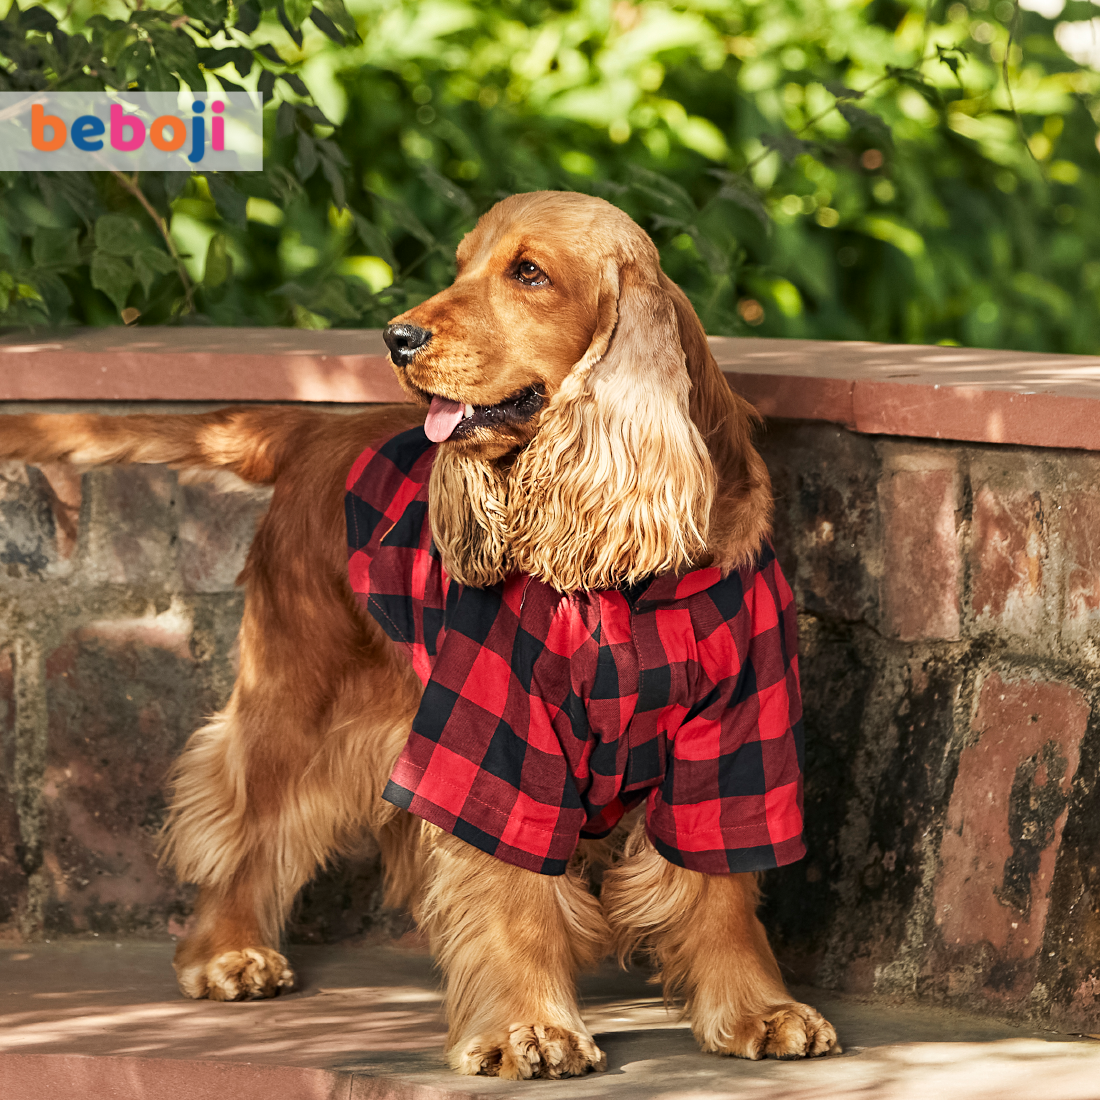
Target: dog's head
587,435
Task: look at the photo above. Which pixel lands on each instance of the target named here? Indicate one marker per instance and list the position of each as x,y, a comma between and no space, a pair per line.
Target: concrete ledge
967,394
104,1020
906,390
45,1076
197,364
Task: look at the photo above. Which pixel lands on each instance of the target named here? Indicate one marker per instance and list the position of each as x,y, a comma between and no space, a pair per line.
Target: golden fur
638,461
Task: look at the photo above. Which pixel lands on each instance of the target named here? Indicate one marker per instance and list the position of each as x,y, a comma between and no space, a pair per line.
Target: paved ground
100,1019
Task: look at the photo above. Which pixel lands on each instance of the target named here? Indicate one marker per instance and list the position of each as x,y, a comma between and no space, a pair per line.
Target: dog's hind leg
253,817
713,950
510,943
233,830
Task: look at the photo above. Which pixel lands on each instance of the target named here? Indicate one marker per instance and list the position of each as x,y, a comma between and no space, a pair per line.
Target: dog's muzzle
404,341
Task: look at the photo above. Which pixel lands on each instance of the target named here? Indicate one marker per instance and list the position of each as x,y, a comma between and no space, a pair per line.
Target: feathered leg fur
510,943
713,951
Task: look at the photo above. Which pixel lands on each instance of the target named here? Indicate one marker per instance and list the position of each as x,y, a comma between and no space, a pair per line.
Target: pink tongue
443,417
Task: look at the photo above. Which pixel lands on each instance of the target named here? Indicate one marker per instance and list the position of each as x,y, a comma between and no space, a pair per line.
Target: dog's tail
248,442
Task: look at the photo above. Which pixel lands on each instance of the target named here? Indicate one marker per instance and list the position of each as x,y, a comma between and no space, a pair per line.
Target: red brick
215,532
1007,554
1023,728
1081,547
921,560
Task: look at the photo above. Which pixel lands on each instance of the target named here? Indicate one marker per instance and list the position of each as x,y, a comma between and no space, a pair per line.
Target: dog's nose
404,340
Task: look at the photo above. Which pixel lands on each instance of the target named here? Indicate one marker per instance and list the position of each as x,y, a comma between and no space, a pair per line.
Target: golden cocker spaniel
582,450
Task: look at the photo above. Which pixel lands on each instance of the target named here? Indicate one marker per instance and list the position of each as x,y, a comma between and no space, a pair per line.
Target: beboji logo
167,133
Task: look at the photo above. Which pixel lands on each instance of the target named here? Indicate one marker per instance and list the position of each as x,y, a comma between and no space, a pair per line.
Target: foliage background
838,169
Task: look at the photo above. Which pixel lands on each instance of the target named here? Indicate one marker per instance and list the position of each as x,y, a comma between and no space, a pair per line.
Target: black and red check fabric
545,716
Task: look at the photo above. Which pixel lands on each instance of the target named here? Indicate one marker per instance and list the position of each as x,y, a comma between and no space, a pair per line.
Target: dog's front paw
783,1031
529,1050
246,975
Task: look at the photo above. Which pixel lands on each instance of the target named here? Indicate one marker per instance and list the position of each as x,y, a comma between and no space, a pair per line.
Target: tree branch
131,185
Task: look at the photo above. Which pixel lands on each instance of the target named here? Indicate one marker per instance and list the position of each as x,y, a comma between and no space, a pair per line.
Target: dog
571,458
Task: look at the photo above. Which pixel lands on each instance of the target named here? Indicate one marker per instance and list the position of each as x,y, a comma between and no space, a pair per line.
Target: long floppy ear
617,485
466,512
742,511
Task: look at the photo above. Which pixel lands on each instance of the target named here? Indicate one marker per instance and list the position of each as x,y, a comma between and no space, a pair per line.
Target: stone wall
950,598
950,640
118,623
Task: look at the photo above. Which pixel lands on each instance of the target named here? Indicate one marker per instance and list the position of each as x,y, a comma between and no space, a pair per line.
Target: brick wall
118,622
950,598
950,634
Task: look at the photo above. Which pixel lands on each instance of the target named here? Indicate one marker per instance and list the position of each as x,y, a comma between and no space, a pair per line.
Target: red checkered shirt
545,716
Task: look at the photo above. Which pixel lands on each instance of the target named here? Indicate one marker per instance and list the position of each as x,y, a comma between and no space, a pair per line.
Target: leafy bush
846,170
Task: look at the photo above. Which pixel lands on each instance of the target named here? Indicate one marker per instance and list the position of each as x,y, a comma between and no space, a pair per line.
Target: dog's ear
742,510
618,484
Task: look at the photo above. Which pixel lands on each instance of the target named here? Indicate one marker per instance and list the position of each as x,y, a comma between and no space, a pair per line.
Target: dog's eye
531,274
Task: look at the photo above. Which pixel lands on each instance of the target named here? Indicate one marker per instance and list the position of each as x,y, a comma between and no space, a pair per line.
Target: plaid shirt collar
669,589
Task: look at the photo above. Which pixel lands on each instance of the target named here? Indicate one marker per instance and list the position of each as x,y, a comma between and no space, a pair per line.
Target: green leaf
203,10
266,84
36,18
285,119
336,181
215,59
315,114
118,235
332,300
272,54
326,26
305,160
859,119
339,14
219,264
133,60
56,247
667,193
177,51
952,57
160,79
740,190
842,91
329,150
930,92
229,85
405,218
54,291
174,183
788,146
375,241
288,26
284,184
447,190
248,17
112,275
151,262
229,201
297,11
296,82
115,41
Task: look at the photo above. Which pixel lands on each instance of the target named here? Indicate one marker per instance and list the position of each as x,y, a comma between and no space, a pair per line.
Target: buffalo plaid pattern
545,716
